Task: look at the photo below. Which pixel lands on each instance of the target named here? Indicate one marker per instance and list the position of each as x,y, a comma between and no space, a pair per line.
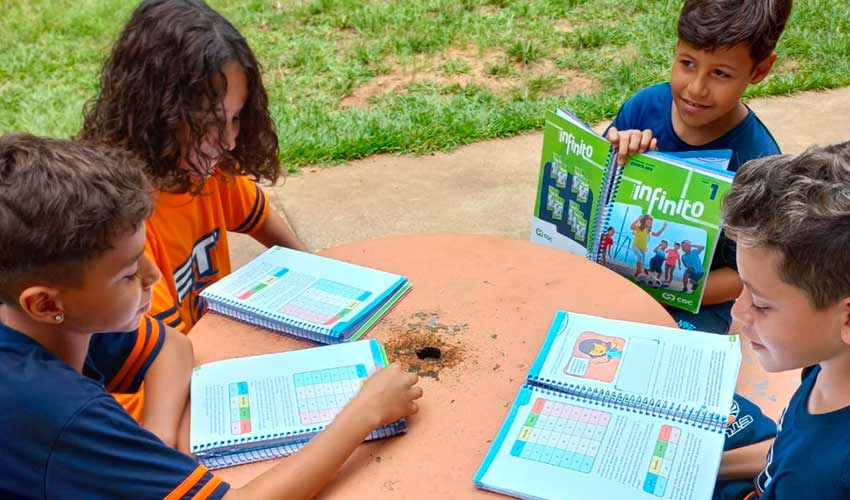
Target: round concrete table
486,303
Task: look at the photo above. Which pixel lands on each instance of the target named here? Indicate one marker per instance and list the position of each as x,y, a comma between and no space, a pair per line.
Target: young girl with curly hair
182,90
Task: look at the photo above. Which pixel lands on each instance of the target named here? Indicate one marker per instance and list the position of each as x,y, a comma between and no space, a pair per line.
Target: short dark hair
63,203
164,72
714,24
798,205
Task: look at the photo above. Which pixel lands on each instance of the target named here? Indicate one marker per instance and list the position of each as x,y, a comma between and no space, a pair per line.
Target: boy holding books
72,264
795,312
723,47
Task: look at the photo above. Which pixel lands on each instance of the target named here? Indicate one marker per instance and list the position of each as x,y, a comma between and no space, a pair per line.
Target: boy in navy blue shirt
72,262
790,216
723,47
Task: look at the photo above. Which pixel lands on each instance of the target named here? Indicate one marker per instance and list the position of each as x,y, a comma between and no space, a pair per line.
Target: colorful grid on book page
269,279
325,302
661,462
562,435
240,408
323,393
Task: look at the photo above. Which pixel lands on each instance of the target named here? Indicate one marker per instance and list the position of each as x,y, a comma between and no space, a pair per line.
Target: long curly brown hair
164,73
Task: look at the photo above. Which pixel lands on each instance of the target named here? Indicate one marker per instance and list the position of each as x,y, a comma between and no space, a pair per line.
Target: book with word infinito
614,409
306,295
269,406
655,220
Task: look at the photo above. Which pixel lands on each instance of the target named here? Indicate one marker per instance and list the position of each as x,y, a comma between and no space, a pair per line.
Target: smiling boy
723,47
795,312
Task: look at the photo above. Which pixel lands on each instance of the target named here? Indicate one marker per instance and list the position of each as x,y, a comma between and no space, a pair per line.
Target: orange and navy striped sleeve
123,359
103,453
164,309
164,305
244,205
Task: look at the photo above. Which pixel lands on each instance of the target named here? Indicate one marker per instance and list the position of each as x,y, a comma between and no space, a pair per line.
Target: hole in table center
429,353
424,345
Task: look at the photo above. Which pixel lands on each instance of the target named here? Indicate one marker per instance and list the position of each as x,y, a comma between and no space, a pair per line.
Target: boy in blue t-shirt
795,312
72,262
723,47
692,260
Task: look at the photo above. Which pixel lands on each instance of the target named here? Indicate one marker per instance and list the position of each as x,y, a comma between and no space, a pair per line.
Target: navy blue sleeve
747,424
123,358
102,453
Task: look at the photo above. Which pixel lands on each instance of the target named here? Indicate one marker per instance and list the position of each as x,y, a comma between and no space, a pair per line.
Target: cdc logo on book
681,300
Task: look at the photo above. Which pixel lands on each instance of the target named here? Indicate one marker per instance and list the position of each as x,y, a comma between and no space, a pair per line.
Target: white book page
556,447
696,369
273,396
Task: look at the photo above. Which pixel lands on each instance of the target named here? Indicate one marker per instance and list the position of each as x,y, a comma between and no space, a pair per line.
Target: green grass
318,52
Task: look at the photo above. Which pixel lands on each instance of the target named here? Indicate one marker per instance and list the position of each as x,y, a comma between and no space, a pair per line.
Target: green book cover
655,220
573,174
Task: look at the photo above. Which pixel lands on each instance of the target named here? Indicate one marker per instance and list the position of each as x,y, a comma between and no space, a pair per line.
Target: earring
58,318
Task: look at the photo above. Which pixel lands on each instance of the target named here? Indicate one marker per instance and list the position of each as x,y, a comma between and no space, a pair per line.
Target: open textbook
615,409
269,406
307,295
655,220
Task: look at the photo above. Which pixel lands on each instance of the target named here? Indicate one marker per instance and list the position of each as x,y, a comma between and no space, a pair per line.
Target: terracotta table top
486,303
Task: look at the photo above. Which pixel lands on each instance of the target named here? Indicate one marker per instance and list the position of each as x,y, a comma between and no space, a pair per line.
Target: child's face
611,232
664,245
783,328
116,289
217,141
598,350
707,85
686,246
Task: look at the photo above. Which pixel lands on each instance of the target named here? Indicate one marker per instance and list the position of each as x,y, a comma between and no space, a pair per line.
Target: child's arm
167,387
247,210
629,142
723,285
275,231
663,227
387,396
745,462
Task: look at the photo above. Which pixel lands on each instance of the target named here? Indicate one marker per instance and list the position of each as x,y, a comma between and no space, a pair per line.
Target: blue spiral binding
662,408
610,184
270,446
254,316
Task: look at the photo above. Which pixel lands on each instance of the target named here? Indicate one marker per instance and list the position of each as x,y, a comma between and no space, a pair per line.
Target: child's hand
629,142
389,394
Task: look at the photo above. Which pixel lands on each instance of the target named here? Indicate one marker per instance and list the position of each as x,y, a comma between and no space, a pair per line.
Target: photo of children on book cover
655,253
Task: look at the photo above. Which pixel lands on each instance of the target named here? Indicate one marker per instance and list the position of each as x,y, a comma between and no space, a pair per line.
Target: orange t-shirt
187,240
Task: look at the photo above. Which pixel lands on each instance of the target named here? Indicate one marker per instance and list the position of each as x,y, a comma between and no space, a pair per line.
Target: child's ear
845,320
42,304
762,69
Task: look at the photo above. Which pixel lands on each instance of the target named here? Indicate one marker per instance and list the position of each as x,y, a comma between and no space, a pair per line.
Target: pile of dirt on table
425,346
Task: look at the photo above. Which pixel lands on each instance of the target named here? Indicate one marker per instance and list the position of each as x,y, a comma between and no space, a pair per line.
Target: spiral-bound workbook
306,295
615,409
655,219
269,406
